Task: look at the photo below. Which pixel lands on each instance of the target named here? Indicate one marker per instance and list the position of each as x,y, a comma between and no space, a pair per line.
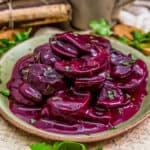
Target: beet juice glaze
77,84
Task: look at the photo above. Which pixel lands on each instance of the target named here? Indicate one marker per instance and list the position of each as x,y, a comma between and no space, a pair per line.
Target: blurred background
127,20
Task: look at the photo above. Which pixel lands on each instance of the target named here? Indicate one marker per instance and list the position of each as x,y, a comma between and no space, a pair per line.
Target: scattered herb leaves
32,121
134,57
111,94
127,63
128,96
113,128
108,76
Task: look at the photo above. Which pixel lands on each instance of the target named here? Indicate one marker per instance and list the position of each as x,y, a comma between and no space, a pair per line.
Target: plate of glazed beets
78,87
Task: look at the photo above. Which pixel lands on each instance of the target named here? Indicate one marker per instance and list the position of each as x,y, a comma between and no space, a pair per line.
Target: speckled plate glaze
9,59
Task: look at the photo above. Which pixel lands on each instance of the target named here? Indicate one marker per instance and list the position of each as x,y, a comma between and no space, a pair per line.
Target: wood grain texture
33,13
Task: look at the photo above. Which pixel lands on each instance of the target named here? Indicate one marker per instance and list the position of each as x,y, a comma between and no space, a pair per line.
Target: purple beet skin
77,84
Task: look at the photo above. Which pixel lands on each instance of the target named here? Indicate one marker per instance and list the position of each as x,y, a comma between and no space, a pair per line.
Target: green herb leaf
7,43
5,92
41,146
2,50
101,27
134,57
108,76
138,36
128,96
123,39
113,128
147,35
68,145
127,63
111,94
99,148
32,121
22,36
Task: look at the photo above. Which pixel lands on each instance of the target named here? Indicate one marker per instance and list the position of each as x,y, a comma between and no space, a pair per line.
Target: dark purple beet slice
139,75
67,103
19,98
29,92
74,45
45,79
14,83
110,96
25,112
92,83
85,67
85,43
101,115
63,48
100,41
118,58
43,54
120,71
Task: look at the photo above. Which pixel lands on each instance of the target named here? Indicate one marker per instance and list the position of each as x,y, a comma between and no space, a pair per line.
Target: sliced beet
63,48
19,98
29,92
81,67
85,42
101,115
92,83
14,83
45,79
120,71
110,96
26,63
44,55
138,76
74,45
68,103
118,58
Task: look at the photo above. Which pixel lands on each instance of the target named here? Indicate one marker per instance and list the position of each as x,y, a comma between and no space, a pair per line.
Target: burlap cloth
138,138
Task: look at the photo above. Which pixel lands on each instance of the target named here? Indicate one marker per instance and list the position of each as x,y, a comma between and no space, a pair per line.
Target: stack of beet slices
77,84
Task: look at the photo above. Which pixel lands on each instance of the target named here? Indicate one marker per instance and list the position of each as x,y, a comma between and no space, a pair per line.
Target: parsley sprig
101,27
140,40
65,145
6,44
111,94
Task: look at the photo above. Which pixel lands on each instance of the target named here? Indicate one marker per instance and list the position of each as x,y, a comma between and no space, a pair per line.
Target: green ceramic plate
9,59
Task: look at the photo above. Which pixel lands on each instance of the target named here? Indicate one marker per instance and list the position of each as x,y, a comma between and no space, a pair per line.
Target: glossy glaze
77,84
